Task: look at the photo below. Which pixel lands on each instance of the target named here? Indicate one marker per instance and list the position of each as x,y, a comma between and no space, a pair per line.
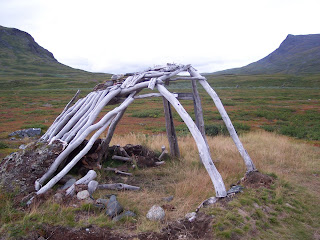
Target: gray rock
30,132
123,215
92,186
22,146
68,184
113,207
83,194
235,189
191,216
168,199
156,213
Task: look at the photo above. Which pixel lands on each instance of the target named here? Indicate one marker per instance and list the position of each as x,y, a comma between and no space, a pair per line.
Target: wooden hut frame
76,122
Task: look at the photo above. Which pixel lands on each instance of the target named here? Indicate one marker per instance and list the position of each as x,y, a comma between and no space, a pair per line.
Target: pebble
83,194
156,213
92,186
168,199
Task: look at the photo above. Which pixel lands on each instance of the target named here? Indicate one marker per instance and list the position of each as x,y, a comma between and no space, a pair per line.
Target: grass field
263,110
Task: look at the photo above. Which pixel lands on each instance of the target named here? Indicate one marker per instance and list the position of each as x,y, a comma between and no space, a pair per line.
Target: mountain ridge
297,54
24,63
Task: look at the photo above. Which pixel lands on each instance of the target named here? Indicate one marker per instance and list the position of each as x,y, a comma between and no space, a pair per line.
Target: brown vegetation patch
200,228
256,180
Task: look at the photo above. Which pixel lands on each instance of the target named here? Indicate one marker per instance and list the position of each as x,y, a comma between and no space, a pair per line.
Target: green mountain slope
24,63
297,54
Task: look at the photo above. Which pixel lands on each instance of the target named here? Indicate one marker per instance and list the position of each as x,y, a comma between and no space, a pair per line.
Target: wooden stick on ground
115,170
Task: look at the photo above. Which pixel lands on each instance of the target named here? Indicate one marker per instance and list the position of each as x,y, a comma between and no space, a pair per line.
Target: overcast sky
119,36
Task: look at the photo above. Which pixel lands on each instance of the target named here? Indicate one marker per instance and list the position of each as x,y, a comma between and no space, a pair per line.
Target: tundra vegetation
277,117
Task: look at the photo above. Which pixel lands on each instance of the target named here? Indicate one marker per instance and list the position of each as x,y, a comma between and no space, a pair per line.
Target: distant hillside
24,62
297,54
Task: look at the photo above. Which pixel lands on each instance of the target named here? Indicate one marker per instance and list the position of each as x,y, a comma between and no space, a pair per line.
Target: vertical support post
171,132
198,109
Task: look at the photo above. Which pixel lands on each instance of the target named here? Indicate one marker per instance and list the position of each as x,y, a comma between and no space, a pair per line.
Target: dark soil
181,229
256,180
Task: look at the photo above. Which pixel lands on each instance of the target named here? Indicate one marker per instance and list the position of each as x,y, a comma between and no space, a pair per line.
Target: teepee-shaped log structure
77,121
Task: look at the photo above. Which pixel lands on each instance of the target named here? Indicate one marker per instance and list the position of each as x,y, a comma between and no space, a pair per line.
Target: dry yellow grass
187,180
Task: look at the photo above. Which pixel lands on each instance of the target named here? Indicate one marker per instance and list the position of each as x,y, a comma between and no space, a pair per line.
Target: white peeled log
101,125
96,112
74,120
91,174
66,118
118,186
68,136
92,186
201,144
58,120
73,145
60,115
248,162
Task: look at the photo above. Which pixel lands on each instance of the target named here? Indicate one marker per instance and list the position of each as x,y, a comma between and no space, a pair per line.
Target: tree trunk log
118,186
101,125
201,144
84,180
249,164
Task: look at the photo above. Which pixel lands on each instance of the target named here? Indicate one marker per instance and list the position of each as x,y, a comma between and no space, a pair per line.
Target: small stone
289,205
92,186
41,238
191,216
113,207
83,195
156,213
22,146
123,215
68,184
168,199
235,189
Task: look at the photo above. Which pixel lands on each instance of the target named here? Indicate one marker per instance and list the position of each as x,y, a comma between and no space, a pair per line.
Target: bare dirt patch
256,180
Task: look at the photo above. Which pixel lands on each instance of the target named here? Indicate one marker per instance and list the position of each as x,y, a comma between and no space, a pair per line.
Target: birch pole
248,162
102,125
201,144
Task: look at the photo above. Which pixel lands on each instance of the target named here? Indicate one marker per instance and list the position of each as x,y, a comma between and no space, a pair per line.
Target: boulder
30,132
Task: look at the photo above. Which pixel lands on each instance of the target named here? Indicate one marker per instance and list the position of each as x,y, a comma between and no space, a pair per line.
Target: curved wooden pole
249,164
102,124
201,144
